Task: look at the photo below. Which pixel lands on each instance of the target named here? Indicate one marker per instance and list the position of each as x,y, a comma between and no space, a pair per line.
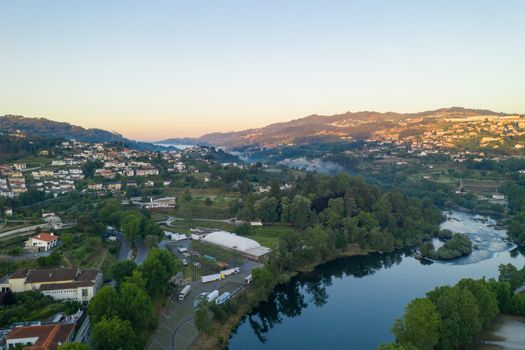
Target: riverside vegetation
333,216
451,317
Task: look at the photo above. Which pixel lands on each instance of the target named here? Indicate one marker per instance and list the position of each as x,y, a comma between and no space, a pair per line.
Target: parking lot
176,328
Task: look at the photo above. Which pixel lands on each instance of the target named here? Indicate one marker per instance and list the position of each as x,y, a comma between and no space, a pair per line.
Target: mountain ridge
47,128
337,127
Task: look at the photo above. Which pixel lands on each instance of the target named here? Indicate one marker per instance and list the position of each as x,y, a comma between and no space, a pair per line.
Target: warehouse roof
239,243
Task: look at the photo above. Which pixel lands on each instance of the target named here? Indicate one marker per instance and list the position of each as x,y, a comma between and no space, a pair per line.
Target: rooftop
47,237
49,337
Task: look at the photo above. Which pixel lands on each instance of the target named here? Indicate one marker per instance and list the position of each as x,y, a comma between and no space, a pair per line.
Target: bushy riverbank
220,331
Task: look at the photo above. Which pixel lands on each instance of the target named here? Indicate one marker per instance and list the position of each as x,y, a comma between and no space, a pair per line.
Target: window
84,292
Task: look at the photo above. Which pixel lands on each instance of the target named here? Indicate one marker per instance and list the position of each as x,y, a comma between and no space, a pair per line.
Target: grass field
268,236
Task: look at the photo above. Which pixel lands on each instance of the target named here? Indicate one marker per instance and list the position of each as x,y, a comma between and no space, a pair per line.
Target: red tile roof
49,336
45,237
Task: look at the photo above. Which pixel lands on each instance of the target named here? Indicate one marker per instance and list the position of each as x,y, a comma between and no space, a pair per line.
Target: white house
42,242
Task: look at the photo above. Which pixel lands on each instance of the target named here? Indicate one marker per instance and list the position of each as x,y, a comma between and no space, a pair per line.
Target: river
351,303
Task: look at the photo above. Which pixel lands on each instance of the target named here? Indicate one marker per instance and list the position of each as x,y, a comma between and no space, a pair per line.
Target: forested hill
12,148
50,129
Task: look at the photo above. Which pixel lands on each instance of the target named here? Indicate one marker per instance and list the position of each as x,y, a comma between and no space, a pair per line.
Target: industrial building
245,246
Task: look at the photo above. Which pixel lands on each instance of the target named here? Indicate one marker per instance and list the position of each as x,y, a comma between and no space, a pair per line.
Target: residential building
41,337
42,242
60,284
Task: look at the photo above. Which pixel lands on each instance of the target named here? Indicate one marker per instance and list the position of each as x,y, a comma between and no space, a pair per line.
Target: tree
151,240
135,306
131,225
394,347
158,268
459,316
202,317
208,202
122,269
73,346
275,190
267,209
300,212
113,334
486,299
419,326
103,304
89,167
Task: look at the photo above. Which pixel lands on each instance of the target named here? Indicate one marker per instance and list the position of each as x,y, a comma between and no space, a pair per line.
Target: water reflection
288,299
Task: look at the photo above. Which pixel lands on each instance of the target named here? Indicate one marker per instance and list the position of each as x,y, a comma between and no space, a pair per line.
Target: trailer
178,237
184,292
212,295
231,271
224,297
211,278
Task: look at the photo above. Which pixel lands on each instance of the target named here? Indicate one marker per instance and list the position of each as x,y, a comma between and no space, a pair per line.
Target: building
245,246
42,242
60,284
41,337
160,203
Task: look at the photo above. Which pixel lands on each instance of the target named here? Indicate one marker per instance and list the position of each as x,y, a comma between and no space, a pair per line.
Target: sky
157,69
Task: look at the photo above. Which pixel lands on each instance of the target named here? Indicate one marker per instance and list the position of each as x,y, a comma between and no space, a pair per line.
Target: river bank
505,333
352,302
223,331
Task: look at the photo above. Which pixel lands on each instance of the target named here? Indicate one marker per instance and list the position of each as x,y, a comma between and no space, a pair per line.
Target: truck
231,271
212,295
178,237
211,278
184,292
223,298
248,279
183,250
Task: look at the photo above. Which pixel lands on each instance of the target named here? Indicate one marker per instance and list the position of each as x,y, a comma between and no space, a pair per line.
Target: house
166,202
54,221
19,166
114,186
40,337
8,211
256,223
149,183
42,242
95,187
60,283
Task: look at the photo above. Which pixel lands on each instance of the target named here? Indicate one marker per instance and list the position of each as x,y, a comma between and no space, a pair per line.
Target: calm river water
351,303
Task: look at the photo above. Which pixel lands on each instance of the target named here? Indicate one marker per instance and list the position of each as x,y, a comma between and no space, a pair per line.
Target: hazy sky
156,69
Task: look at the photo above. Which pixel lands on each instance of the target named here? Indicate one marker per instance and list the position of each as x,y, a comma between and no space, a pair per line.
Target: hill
50,129
340,127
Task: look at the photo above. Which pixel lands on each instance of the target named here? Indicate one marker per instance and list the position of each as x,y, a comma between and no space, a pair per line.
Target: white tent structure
245,246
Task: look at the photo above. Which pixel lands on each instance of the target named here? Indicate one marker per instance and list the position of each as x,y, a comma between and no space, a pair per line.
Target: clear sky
157,69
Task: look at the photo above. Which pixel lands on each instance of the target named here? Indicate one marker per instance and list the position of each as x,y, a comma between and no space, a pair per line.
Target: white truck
212,295
211,278
231,271
223,298
248,279
184,292
183,250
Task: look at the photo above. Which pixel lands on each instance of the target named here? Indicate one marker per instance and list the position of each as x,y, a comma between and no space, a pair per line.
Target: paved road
124,252
232,221
142,251
22,230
